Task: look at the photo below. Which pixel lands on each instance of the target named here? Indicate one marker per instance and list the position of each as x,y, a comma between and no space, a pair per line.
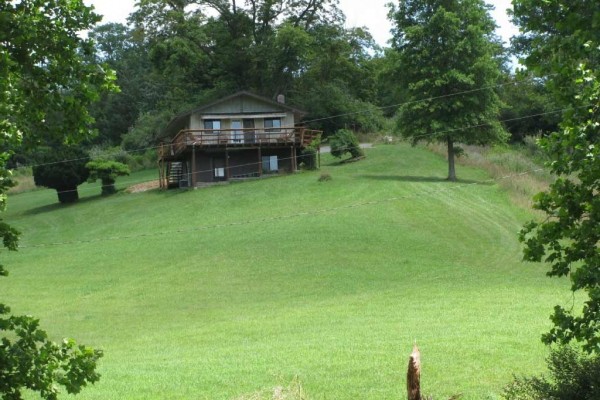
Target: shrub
344,141
107,172
573,376
308,158
325,177
62,169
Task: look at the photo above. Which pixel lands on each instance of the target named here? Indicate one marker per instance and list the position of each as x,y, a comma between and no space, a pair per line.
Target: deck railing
250,137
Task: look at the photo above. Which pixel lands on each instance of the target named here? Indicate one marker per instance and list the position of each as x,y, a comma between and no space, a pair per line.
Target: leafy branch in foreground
32,361
568,239
48,79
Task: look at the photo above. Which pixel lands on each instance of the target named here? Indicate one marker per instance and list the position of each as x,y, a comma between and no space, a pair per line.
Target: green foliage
62,169
344,141
308,158
107,171
524,96
46,84
300,49
568,238
573,376
48,79
140,90
147,130
29,360
447,48
553,39
325,177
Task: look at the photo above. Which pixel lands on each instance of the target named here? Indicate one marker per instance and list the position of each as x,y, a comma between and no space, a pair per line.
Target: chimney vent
281,98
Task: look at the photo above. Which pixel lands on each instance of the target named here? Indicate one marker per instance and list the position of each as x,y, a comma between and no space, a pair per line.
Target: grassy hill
226,291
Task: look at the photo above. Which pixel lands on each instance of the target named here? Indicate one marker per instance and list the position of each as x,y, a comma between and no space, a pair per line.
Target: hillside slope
221,292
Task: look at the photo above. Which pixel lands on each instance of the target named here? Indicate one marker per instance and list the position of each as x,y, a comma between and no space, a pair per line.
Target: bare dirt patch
143,187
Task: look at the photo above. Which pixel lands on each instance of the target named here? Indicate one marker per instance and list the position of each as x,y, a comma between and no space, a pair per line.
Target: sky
369,13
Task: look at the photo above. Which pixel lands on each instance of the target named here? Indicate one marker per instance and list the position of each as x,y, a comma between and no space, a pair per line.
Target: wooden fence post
413,376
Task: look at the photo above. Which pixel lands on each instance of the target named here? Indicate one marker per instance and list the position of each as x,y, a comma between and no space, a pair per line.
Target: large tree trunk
108,187
67,195
451,169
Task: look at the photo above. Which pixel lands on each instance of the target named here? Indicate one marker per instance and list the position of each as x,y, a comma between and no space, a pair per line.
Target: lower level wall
211,166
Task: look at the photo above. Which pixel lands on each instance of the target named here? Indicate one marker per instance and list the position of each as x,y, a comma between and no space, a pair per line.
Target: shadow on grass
60,206
422,179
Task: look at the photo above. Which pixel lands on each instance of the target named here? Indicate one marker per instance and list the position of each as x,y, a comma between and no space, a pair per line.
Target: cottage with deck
240,136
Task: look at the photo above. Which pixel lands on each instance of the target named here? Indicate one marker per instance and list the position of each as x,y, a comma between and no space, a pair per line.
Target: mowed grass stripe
335,298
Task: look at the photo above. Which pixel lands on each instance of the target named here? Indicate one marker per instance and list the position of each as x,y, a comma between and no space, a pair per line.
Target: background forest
175,55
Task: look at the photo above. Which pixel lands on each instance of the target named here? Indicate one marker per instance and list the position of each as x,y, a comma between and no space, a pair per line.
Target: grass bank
230,291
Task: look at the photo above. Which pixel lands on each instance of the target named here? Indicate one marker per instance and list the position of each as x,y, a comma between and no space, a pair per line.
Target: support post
259,161
294,160
227,174
193,183
160,173
319,157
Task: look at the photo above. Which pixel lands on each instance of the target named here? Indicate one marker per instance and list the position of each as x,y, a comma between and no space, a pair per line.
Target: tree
107,171
568,239
62,169
46,86
524,95
344,141
140,90
552,40
448,56
204,49
560,46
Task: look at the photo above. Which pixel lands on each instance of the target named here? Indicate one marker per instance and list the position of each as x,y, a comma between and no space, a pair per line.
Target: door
219,173
236,128
249,136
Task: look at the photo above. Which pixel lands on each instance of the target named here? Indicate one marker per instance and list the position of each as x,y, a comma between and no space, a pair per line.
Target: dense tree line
176,55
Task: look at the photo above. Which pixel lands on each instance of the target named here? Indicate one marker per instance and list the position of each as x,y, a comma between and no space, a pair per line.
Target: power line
424,100
189,174
143,149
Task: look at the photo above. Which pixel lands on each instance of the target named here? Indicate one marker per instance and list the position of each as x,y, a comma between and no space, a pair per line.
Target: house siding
242,163
242,155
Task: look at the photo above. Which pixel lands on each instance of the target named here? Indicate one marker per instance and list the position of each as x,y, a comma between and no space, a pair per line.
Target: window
273,124
210,124
219,172
269,164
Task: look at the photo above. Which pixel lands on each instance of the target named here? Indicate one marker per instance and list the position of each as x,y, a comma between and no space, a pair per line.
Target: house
240,136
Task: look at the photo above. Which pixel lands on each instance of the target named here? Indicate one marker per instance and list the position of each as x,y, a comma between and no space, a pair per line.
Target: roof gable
243,103
238,103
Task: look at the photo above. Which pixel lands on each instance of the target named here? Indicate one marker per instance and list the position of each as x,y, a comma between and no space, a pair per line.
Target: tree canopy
449,65
560,43
62,168
47,82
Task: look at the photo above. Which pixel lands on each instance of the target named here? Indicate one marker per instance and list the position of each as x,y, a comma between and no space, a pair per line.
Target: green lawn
222,292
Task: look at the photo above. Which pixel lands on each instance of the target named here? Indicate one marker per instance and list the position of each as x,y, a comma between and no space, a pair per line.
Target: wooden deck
236,138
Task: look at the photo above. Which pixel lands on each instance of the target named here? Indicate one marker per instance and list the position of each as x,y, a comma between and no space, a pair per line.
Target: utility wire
189,174
143,149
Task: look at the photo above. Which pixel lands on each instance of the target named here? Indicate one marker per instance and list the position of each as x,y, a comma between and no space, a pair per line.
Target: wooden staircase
175,173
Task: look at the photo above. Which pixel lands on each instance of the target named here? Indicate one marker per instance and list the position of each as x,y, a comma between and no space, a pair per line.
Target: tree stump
413,376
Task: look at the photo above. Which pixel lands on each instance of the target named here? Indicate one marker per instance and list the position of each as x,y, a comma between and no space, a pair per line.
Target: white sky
369,13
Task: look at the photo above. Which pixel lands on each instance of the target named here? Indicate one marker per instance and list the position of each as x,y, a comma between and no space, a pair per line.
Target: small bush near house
573,376
344,141
107,172
308,158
